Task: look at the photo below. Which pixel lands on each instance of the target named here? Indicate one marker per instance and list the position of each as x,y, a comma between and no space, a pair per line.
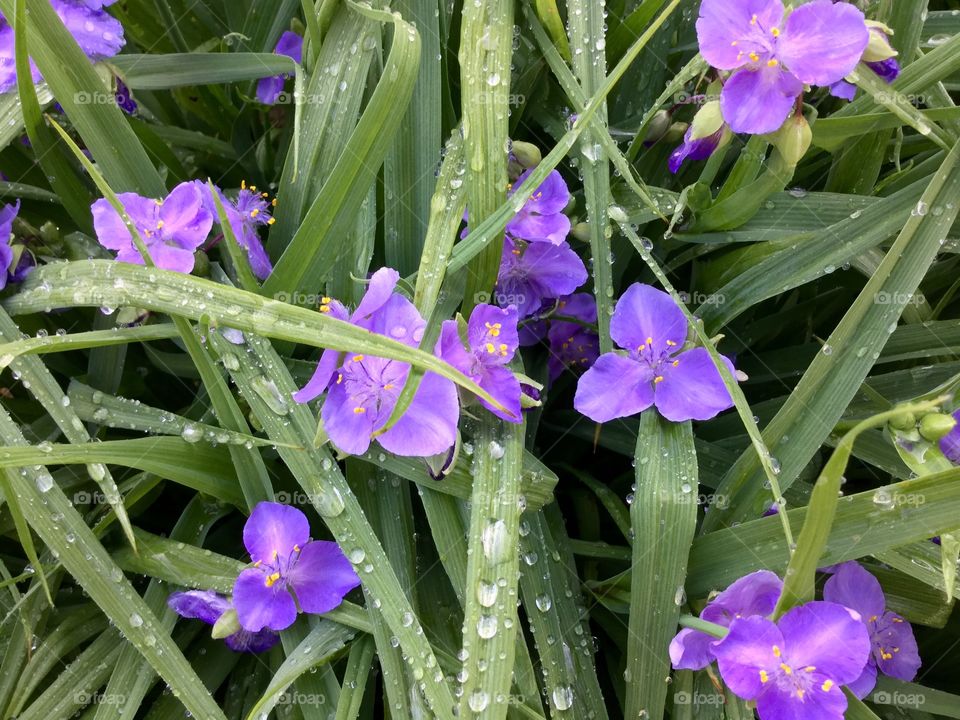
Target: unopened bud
581,231
707,121
936,426
675,132
201,264
793,139
658,127
226,625
904,421
527,154
879,47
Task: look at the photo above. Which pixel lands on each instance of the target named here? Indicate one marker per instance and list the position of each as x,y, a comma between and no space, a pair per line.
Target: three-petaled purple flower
250,211
794,669
541,218
493,341
172,229
15,262
774,55
950,443
208,606
893,649
573,338
531,273
363,391
290,571
269,88
683,385
97,33
754,595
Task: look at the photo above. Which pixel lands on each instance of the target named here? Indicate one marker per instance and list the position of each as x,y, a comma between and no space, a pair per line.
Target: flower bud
936,426
879,48
658,127
226,625
581,231
707,121
527,154
675,132
793,139
201,264
904,421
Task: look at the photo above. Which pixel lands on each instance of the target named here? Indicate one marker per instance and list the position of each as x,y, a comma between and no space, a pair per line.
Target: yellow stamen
339,378
753,20
649,341
772,63
503,349
800,693
359,410
490,348
809,668
676,363
763,676
254,212
827,684
786,668
671,343
271,579
776,651
753,56
243,184
271,221
160,225
388,386
273,202
357,358
658,379
494,329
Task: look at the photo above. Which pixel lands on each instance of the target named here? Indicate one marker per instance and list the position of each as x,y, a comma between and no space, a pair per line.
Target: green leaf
172,70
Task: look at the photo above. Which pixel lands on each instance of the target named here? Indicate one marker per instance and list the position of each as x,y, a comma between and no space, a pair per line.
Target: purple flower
269,88
752,595
773,56
124,98
893,647
7,215
289,572
172,228
250,211
574,342
682,385
541,218
794,669
493,341
97,33
538,271
694,149
363,391
208,606
950,443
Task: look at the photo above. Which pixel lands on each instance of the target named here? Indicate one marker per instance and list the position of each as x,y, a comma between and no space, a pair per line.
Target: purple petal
758,101
429,426
551,229
692,388
495,327
614,387
111,232
745,652
529,275
254,642
727,31
895,647
867,681
380,289
259,606
203,605
450,348
784,703
185,220
551,197
852,586
950,443
753,594
269,89
97,33
822,42
888,70
691,650
165,257
646,314
828,636
329,361
843,90
690,149
291,45
397,319
348,428
7,215
273,530
503,385
321,577
259,260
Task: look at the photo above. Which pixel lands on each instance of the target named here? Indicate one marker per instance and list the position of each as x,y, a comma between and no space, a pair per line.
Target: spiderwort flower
773,56
97,33
950,444
574,342
289,572
752,595
7,215
541,218
533,272
893,649
208,606
706,134
794,668
363,391
250,211
682,385
172,228
269,88
493,341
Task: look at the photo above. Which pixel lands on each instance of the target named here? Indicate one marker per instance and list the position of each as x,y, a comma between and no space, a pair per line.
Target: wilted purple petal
691,650
693,149
208,606
950,443
888,70
843,90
